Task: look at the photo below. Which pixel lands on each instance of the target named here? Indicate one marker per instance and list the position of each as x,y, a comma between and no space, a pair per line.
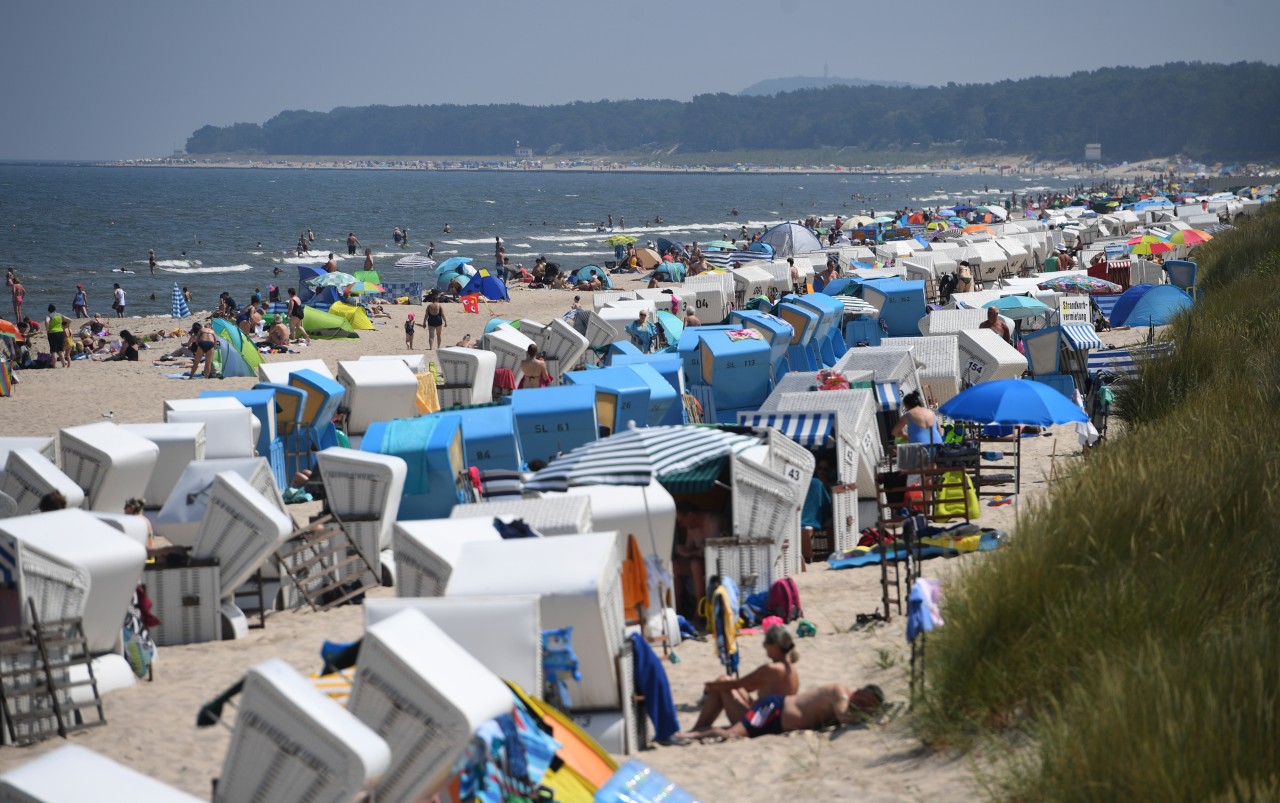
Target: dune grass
1129,630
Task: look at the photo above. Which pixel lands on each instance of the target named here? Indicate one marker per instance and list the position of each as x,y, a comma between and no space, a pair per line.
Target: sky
134,78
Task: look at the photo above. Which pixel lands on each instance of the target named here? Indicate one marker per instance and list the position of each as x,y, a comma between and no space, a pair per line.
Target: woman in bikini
532,369
203,342
735,696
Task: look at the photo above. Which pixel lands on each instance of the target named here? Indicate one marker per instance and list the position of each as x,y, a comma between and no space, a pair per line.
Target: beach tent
648,258
1149,305
228,361
179,308
789,239
305,274
240,344
585,273
325,325
354,314
487,285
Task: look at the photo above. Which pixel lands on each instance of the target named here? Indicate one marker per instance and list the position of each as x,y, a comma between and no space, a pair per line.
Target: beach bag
784,599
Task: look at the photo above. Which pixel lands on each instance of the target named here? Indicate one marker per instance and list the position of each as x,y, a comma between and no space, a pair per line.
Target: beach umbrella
723,245
619,239
1018,307
882,219
1147,248
671,325
998,212
937,225
367,287
338,279
856,306
453,263
1013,402
978,227
1080,283
638,456
179,308
415,261
1190,237
857,221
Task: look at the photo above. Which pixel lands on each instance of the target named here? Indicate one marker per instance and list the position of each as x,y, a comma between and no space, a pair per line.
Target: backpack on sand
784,599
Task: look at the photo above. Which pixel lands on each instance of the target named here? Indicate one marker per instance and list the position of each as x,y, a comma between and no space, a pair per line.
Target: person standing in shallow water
151,261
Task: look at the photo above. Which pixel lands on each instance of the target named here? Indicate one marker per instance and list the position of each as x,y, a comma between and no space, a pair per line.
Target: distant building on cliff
523,152
1093,152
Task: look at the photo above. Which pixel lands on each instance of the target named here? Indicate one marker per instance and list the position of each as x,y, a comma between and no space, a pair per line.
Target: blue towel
919,619
817,505
651,681
407,438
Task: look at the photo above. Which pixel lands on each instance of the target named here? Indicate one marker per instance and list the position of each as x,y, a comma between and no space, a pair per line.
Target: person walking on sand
352,244
409,326
435,322
56,326
80,303
19,293
119,301
297,310
151,260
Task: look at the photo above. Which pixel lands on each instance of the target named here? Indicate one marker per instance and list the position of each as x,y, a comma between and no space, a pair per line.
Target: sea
232,229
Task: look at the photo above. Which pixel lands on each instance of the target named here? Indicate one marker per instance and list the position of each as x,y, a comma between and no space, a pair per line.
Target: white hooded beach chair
179,518
179,445
29,475
468,376
109,464
503,633
292,742
561,346
363,491
44,446
508,345
985,357
231,429
426,696
415,362
426,551
856,427
74,774
950,321
278,372
550,515
579,580
937,363
377,391
242,530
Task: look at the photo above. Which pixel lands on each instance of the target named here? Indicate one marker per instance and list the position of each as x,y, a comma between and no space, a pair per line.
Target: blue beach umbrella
454,263
179,308
1018,307
1013,402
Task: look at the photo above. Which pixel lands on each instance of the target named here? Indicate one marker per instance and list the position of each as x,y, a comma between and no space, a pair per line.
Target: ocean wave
211,269
175,263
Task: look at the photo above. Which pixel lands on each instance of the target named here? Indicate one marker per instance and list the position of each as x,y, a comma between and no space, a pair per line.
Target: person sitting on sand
735,696
821,707
129,346
278,335
532,369
558,282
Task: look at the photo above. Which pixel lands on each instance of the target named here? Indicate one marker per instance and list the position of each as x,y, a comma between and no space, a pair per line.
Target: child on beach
409,326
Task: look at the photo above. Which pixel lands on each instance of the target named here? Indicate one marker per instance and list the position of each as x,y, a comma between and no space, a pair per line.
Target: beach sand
152,726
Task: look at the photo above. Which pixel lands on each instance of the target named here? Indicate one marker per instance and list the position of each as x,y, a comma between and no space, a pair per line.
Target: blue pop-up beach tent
487,285
1149,305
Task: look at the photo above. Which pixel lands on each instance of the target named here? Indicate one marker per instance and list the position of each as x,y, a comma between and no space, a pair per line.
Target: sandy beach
152,726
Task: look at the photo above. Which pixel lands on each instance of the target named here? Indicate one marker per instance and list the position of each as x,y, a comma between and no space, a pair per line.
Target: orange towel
635,578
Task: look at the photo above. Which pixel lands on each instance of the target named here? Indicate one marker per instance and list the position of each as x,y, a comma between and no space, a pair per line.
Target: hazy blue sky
90,80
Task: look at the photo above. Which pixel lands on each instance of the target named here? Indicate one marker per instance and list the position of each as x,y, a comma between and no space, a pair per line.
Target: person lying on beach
814,709
735,696
376,310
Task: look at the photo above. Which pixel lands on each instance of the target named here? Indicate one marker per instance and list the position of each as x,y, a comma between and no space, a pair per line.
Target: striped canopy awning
1106,304
1081,336
638,456
806,429
856,306
888,396
726,259
1123,362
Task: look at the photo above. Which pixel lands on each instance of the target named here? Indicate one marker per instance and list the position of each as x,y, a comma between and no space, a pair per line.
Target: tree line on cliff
1223,111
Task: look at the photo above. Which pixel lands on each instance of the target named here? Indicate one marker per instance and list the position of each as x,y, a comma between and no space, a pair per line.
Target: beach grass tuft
1128,629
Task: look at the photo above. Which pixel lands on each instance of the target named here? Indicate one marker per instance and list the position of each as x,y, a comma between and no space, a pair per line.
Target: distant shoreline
1005,166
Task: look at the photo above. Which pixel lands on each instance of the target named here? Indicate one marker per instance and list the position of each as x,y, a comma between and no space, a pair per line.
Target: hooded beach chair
29,475
291,742
73,773
110,464
427,550
363,490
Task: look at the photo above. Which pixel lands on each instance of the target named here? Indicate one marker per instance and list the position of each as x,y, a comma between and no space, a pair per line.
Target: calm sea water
69,224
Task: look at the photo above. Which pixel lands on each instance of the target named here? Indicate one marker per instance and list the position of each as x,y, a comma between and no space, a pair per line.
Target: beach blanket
932,546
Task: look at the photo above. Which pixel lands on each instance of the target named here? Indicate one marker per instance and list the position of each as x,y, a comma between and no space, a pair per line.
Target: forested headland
1202,111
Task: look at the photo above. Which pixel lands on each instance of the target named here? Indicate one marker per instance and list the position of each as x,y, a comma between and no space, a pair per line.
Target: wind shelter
354,314
487,285
585,273
326,325
241,344
1149,305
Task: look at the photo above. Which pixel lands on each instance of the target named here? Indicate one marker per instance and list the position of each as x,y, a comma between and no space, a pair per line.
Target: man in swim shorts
830,704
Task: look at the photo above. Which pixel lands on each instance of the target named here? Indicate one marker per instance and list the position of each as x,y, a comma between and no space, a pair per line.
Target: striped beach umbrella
638,456
415,261
179,308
